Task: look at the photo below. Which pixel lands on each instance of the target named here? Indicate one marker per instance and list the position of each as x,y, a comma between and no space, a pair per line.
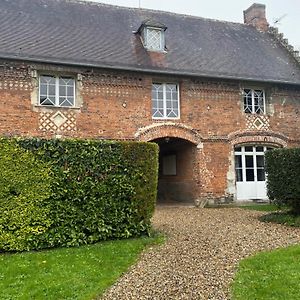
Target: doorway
176,171
250,172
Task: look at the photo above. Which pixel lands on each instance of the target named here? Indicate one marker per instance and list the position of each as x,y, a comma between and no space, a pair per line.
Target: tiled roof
90,34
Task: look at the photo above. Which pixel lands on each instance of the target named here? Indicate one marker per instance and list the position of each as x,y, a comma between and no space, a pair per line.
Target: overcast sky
229,10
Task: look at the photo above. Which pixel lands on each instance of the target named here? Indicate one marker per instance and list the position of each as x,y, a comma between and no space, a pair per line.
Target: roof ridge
100,4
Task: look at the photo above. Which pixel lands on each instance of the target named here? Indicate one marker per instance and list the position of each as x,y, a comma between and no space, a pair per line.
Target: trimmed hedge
23,206
283,181
99,190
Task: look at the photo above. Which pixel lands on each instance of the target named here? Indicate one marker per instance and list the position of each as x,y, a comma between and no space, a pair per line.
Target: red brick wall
117,105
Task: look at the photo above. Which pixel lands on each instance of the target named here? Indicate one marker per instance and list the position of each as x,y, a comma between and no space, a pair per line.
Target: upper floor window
254,101
154,39
153,35
165,101
56,91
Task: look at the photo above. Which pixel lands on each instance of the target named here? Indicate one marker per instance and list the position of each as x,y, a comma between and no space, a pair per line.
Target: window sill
165,119
57,107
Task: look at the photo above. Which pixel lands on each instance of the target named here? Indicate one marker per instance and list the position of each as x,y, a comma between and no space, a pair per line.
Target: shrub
283,181
100,189
25,186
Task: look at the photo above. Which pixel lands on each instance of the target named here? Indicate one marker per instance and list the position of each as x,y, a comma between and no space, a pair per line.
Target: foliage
283,181
68,273
99,190
262,276
282,217
25,186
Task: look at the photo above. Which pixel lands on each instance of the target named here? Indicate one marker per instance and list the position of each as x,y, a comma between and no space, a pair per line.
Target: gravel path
201,254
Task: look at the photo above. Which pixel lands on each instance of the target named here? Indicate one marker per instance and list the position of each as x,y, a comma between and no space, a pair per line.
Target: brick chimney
255,16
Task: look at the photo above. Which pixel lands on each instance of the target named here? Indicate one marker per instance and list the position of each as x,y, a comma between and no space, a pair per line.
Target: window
254,101
165,101
154,39
169,164
56,91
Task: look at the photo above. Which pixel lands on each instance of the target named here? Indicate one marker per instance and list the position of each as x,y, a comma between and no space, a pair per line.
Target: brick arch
267,137
156,131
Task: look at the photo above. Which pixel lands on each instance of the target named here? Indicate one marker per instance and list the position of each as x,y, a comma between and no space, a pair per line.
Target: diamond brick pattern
257,122
57,121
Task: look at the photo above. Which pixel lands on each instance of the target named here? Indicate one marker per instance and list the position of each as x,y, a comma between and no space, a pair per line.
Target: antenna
276,21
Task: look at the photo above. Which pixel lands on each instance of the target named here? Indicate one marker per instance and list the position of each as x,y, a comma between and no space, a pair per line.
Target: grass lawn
260,207
68,273
269,275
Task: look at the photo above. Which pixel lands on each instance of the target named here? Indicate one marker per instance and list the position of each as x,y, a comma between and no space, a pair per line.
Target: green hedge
99,190
23,197
283,181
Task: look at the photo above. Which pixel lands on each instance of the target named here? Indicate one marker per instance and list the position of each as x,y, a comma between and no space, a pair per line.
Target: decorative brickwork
57,121
106,83
168,129
15,77
254,137
257,122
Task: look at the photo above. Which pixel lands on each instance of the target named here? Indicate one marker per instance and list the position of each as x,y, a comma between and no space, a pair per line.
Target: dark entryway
176,170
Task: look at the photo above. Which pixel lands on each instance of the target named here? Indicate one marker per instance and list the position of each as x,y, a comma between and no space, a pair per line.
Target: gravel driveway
201,254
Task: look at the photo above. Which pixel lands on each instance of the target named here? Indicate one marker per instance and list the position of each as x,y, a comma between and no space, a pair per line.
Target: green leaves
283,181
97,190
25,187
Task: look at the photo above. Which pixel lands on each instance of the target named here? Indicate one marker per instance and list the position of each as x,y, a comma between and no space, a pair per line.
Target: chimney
255,16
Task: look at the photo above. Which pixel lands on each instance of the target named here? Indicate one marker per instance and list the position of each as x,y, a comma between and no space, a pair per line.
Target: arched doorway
176,171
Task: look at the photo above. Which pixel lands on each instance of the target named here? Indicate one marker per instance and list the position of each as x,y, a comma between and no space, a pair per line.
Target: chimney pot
255,16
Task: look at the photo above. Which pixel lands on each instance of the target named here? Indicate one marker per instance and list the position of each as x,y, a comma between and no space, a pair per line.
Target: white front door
250,172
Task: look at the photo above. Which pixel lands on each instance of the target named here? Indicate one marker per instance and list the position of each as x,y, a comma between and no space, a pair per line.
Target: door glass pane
238,168
249,175
238,161
260,161
261,175
249,161
239,174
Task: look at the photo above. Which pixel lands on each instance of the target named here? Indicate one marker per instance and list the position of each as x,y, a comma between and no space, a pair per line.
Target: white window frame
57,77
162,38
253,101
164,85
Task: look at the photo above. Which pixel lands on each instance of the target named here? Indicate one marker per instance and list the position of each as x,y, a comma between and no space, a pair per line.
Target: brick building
214,95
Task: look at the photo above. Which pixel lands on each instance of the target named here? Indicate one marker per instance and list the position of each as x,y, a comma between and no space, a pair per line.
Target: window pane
261,175
260,149
169,165
239,175
249,149
260,161
238,149
154,39
238,161
249,175
249,161
247,101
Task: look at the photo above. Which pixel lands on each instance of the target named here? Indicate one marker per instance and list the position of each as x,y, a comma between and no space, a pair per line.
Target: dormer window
154,39
153,35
